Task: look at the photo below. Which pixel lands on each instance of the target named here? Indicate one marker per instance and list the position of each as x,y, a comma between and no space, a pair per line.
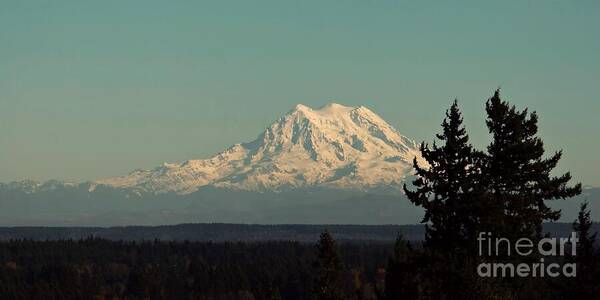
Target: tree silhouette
583,227
585,285
443,187
401,277
518,176
329,283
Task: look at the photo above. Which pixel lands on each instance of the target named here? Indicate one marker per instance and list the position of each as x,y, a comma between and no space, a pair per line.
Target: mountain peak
333,146
327,108
333,104
301,107
334,107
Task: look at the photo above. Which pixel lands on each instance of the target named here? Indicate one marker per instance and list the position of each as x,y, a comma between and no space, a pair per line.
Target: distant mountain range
335,164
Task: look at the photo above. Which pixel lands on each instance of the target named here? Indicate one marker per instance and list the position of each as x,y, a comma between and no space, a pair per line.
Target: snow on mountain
334,146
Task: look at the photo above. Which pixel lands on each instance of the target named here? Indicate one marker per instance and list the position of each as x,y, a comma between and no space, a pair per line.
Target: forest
101,269
502,191
95,268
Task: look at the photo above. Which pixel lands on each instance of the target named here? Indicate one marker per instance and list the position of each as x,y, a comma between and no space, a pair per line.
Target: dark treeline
218,232
103,269
96,268
223,232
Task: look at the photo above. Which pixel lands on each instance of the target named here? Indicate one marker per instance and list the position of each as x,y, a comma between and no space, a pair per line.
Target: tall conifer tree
329,283
519,179
401,274
585,286
443,188
587,238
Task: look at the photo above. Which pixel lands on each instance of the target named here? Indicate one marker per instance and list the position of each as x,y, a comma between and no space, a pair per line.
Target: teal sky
90,89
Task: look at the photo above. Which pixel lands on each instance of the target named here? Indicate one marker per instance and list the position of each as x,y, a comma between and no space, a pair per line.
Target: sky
92,89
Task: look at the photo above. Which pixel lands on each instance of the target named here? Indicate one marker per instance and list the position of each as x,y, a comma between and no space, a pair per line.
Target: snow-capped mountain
334,146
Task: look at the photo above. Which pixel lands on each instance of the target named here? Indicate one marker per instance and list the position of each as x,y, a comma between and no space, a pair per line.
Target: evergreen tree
585,285
329,283
583,227
401,276
518,177
443,188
